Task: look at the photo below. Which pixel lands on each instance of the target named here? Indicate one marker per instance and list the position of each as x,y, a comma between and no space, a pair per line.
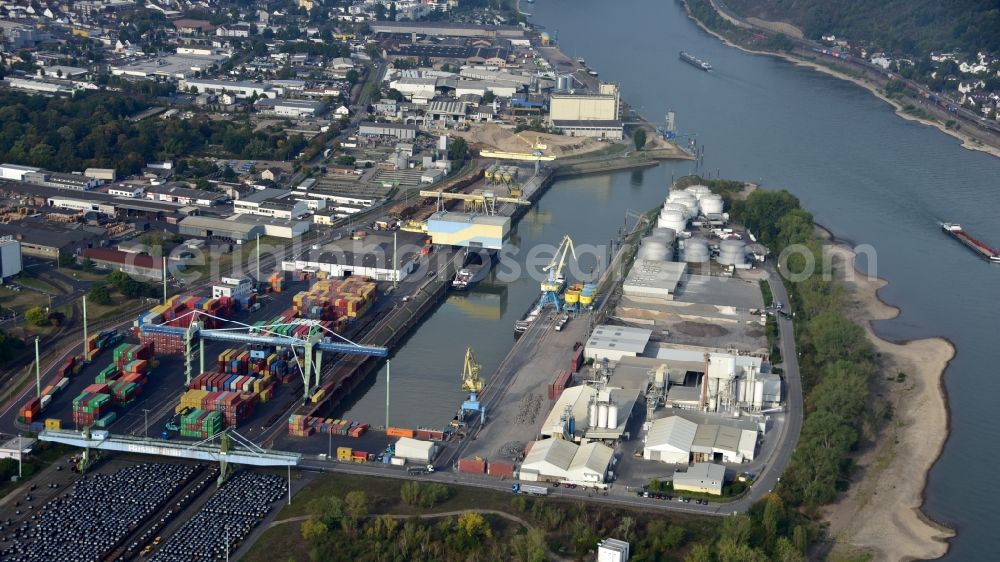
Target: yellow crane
473,383
553,284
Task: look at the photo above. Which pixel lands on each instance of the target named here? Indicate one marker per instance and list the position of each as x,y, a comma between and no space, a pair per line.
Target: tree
700,553
474,525
639,138
313,530
394,95
529,547
99,294
37,316
356,504
458,150
489,96
9,346
87,264
352,76
228,174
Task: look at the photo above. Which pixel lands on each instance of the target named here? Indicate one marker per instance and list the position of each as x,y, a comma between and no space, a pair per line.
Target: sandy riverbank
967,141
880,514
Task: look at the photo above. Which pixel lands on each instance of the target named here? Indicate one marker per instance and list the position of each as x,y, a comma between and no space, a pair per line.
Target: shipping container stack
101,341
201,424
93,406
304,426
179,311
340,300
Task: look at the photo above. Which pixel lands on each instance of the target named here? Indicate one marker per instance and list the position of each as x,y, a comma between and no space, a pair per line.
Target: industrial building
415,86
447,29
10,258
702,477
602,106
138,265
15,172
173,193
614,342
469,230
559,460
653,279
372,257
584,412
216,227
238,289
397,130
43,240
612,129
241,90
290,108
720,381
415,450
77,182
612,550
676,439
275,203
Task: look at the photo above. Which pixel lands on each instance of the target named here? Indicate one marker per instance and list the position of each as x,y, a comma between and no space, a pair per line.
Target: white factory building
729,382
583,412
563,461
614,342
290,108
415,450
275,203
675,439
612,550
10,258
238,289
239,89
702,477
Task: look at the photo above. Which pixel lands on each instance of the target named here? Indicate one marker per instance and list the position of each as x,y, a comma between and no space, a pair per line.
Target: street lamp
145,424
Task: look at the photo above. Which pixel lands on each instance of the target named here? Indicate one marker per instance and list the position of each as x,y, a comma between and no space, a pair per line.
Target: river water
869,176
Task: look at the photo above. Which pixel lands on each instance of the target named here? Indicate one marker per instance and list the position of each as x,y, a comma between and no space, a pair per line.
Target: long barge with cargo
695,61
976,245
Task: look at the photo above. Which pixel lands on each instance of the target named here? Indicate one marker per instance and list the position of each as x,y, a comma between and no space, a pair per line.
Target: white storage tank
672,206
602,416
698,191
732,252
689,202
664,233
653,250
711,204
593,414
612,415
696,250
675,220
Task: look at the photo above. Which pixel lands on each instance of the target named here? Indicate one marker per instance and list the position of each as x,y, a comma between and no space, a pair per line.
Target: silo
602,416
572,426
696,250
672,206
686,199
732,252
698,191
672,219
612,415
711,204
653,250
593,414
665,235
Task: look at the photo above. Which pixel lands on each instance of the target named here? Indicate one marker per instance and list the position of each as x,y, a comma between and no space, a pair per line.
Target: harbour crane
472,382
554,283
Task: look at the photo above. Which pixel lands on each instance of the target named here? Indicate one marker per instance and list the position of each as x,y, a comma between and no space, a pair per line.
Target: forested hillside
908,27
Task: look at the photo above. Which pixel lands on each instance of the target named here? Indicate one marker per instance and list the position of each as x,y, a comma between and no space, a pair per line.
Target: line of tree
94,130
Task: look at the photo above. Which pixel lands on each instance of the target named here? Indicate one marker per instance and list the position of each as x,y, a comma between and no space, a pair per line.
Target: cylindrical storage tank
666,235
732,252
686,199
696,250
593,414
612,415
758,393
673,206
698,191
572,425
563,82
711,204
602,416
653,251
672,219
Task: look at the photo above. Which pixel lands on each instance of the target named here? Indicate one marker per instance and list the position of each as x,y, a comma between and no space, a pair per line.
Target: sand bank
880,513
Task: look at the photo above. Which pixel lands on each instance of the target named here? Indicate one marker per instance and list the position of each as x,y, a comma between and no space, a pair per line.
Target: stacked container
201,424
191,400
559,384
92,405
235,407
335,299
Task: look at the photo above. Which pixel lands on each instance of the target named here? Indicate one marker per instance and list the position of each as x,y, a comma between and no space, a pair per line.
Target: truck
530,490
423,469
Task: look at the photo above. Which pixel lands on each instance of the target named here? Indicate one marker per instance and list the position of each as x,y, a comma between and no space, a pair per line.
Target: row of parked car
667,497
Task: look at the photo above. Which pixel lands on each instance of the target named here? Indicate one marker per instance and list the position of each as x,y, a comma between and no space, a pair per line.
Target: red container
577,360
472,466
500,469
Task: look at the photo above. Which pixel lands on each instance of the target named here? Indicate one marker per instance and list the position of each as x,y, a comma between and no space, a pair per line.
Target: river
869,176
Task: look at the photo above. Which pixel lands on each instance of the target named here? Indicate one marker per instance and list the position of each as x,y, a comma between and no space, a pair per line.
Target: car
640,493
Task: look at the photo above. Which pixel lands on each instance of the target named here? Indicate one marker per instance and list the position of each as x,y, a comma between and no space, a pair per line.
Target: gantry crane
479,201
554,283
472,382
